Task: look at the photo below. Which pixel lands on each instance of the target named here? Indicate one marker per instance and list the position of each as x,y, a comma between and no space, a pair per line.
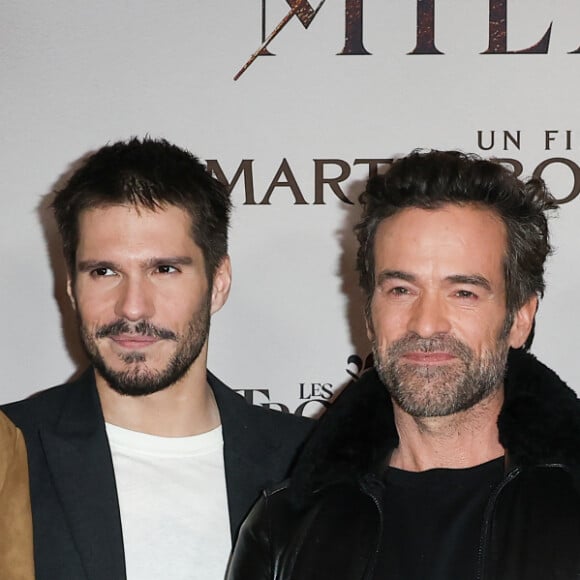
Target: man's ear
222,281
70,291
523,323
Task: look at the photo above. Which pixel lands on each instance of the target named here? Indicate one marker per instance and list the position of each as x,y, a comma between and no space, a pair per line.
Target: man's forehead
444,216
101,214
137,208
453,236
122,226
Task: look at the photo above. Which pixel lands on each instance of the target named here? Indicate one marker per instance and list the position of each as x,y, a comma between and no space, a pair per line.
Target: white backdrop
75,75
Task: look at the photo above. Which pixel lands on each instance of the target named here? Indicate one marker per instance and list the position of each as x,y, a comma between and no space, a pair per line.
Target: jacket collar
248,449
540,420
539,423
79,460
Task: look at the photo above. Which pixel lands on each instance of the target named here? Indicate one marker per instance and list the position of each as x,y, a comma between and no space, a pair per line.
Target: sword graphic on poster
299,8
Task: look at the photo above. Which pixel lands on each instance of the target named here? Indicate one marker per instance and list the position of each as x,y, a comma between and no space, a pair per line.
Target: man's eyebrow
395,275
87,265
172,261
471,279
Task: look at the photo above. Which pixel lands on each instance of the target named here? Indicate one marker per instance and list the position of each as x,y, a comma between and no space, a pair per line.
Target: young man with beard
145,466
459,456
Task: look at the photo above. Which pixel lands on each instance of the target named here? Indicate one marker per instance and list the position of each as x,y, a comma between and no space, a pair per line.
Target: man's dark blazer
77,526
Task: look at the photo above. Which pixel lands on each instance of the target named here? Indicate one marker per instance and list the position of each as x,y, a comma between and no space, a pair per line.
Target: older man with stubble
458,456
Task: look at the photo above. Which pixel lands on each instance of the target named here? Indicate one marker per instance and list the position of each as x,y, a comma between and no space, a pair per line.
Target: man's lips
429,358
133,341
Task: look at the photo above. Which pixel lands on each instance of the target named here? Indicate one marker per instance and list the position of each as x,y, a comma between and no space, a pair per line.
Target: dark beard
137,382
438,391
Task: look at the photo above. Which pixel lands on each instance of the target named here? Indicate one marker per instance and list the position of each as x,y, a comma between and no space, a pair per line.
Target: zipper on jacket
489,509
370,486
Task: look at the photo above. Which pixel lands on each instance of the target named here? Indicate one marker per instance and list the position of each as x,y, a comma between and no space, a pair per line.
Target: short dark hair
151,173
431,179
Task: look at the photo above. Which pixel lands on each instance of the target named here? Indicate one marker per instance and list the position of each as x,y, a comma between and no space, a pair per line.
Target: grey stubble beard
443,390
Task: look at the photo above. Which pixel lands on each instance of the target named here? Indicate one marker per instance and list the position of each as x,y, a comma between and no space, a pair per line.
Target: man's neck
187,407
461,440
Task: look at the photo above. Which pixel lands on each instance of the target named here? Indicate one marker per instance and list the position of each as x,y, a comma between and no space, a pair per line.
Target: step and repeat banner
294,104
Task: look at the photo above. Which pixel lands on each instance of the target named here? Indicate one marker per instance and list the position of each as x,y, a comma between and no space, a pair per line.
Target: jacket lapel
247,452
79,459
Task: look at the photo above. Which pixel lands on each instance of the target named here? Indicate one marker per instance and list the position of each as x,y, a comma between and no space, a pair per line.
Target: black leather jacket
326,522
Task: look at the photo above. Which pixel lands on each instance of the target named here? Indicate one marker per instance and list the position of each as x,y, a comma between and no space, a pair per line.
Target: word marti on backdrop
330,176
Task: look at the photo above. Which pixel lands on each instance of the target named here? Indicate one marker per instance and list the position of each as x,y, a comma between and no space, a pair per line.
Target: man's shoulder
234,407
285,425
277,417
11,447
8,433
44,406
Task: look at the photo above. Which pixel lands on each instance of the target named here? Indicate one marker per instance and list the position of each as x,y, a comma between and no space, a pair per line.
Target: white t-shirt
173,503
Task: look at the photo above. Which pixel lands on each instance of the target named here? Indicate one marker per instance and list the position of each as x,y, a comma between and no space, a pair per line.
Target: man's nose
135,301
429,316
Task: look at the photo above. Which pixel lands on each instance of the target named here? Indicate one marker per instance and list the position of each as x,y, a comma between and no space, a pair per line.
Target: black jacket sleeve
252,555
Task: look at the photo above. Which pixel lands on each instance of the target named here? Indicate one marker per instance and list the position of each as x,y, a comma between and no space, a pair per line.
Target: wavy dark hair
151,173
431,179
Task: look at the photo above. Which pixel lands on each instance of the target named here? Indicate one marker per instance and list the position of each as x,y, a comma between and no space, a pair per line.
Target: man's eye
465,294
166,269
100,272
399,291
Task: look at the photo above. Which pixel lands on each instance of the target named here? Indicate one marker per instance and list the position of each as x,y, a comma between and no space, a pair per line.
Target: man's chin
136,386
134,371
135,380
427,376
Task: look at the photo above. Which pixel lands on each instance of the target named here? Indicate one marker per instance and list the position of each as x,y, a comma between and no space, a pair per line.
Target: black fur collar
539,423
